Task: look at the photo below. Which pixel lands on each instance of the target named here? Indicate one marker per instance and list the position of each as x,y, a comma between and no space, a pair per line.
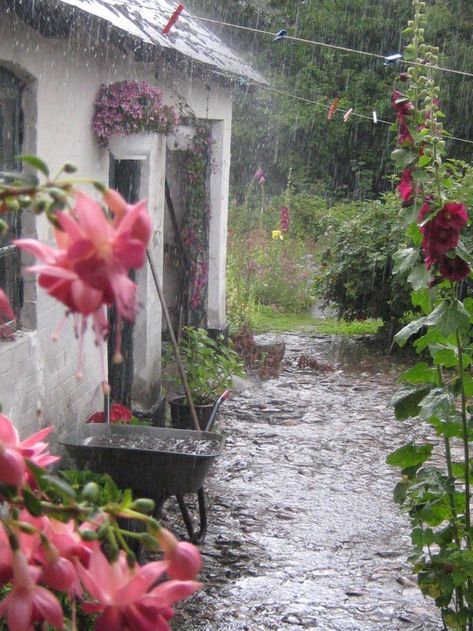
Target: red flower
406,186
454,269
442,233
401,104
6,314
284,219
118,414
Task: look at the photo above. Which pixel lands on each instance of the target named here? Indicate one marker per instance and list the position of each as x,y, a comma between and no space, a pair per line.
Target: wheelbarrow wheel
199,536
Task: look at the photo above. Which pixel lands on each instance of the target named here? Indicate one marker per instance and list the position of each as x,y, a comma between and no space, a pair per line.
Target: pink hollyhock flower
123,598
29,603
260,176
453,269
442,233
284,219
401,104
185,561
6,314
406,185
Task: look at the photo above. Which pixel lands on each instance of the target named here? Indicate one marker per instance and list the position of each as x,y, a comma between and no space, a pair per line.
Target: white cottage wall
38,385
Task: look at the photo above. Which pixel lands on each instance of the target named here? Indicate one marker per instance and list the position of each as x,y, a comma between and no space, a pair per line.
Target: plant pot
132,147
155,415
181,139
181,417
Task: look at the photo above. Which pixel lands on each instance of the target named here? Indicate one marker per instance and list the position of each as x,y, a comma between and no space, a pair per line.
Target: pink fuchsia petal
46,607
8,432
85,298
36,438
19,609
136,223
170,592
5,307
185,562
59,575
12,467
139,584
130,252
116,203
39,250
91,218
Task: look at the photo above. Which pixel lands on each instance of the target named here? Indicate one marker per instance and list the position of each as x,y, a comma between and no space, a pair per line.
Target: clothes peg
333,108
280,35
375,117
173,19
347,114
392,60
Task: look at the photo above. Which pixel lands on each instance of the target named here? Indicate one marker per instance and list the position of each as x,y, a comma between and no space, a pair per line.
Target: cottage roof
145,20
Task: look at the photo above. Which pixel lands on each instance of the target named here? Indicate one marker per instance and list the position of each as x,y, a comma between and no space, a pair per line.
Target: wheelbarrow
153,462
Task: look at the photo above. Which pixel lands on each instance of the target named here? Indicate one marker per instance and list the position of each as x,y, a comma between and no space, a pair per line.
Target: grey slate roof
145,19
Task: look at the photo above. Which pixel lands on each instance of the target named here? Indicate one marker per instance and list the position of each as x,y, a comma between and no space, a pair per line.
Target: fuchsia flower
184,559
28,602
123,597
6,313
88,270
13,452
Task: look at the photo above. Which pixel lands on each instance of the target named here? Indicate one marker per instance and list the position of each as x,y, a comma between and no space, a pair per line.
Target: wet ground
303,531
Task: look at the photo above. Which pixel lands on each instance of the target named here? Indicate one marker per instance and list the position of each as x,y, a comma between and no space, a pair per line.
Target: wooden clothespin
173,19
333,108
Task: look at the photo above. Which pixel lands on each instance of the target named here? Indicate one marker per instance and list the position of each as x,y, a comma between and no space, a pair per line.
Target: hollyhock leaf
464,253
414,233
420,373
405,259
419,277
409,455
423,161
446,357
404,157
405,333
406,401
439,402
449,317
422,298
468,385
468,304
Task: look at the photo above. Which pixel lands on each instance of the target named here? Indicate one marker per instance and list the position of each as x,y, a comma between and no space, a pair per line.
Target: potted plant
126,115
209,365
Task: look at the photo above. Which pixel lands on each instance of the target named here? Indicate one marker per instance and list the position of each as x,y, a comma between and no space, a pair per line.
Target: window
11,125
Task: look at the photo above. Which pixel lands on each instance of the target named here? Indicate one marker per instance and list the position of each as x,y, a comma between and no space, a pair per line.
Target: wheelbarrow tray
149,460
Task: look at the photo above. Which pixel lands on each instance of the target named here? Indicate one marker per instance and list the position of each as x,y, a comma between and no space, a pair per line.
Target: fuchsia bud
184,559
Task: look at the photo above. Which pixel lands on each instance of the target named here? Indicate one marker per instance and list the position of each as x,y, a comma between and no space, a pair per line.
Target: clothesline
326,45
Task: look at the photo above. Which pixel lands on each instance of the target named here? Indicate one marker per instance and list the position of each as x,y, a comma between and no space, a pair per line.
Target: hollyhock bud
184,559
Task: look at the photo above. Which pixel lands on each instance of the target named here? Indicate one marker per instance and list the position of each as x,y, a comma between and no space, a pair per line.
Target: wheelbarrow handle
217,405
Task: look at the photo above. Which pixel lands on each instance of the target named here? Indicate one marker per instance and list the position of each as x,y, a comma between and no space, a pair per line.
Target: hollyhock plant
435,471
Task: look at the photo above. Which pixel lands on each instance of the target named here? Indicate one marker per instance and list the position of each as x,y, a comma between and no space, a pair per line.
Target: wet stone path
303,531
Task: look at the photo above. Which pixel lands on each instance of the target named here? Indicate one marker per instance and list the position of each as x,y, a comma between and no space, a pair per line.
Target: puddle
303,531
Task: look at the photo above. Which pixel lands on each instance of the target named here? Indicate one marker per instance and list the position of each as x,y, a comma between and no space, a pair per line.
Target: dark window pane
10,146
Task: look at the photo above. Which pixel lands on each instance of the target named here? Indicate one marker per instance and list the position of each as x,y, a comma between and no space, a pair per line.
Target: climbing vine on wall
197,166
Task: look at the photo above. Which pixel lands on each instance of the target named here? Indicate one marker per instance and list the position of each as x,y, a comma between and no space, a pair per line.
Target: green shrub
356,272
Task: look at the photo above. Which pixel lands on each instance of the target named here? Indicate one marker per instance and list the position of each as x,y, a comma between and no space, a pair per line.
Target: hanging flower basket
127,108
132,147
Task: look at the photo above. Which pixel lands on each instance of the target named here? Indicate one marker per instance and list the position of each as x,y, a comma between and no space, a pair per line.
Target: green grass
267,319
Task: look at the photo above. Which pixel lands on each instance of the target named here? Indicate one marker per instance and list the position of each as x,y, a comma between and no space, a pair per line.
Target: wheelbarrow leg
195,537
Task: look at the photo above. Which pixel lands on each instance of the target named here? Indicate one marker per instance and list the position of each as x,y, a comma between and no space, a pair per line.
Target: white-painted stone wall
37,377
